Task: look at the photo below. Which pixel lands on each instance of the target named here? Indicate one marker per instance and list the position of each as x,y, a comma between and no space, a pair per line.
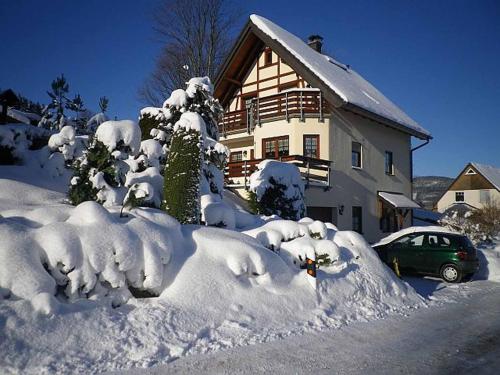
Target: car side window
433,240
444,241
412,240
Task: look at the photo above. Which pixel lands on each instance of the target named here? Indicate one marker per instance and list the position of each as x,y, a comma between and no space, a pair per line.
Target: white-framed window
389,163
459,196
357,155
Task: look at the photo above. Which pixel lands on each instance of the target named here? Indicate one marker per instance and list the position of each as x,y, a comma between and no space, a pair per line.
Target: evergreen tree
195,159
276,188
97,158
182,177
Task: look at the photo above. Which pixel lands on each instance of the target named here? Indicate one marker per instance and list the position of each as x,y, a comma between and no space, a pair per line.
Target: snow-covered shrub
88,253
276,188
100,174
480,225
17,139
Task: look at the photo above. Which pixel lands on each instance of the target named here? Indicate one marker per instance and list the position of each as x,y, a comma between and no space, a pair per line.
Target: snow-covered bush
17,139
480,225
87,253
100,174
276,188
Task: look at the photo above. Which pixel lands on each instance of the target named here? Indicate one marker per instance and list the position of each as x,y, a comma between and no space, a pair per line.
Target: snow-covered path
460,336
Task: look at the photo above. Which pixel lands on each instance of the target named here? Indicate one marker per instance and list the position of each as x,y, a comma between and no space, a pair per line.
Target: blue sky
438,60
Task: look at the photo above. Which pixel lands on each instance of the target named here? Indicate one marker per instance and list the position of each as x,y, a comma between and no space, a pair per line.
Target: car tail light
462,255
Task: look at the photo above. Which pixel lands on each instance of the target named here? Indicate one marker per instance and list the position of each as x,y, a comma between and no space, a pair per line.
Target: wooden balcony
314,171
298,103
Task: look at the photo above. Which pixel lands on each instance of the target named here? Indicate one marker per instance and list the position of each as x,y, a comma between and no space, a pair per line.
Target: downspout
411,169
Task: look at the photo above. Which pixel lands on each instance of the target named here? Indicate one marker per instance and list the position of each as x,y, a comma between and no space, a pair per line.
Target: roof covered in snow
411,230
492,174
352,90
398,200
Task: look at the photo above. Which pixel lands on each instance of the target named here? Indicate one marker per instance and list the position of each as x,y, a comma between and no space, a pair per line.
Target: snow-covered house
286,100
475,186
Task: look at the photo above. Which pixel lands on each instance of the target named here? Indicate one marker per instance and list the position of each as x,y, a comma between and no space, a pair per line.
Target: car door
438,248
409,251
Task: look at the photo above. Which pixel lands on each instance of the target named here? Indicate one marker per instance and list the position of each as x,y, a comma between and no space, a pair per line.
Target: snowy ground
219,289
461,337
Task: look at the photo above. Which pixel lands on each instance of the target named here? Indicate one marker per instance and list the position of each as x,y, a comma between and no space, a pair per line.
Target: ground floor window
236,156
274,148
357,219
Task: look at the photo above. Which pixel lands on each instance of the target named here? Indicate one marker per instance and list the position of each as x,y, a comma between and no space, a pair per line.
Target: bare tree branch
195,34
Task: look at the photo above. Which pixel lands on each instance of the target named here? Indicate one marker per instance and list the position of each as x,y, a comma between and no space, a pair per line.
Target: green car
450,256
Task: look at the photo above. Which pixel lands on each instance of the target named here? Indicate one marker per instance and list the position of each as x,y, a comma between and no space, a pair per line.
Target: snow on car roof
410,230
340,78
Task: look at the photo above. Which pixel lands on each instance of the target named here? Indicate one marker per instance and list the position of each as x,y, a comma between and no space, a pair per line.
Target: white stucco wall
471,197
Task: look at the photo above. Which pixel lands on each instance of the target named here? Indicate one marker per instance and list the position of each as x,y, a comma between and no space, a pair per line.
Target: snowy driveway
448,337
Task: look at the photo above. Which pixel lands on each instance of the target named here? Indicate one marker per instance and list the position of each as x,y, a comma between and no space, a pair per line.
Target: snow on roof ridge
341,78
491,173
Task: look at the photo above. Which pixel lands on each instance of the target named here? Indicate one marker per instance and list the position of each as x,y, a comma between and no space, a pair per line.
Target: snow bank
217,288
489,262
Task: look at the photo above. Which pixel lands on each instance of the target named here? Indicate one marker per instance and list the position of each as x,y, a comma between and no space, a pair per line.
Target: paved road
454,338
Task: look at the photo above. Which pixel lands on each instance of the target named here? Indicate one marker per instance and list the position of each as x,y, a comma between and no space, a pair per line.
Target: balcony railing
313,171
299,103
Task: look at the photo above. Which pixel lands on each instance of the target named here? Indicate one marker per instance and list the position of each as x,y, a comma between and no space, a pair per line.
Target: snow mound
113,133
217,288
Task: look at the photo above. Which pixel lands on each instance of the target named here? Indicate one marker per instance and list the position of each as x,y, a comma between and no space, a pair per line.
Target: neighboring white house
474,187
286,100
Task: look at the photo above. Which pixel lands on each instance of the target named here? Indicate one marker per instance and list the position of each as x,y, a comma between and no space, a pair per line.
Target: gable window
470,172
311,146
268,57
459,196
236,156
357,155
389,163
357,219
274,148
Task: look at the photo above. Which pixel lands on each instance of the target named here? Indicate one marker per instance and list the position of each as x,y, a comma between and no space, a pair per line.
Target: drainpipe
411,169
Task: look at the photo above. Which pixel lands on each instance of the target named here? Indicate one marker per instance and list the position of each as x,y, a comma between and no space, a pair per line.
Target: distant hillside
428,189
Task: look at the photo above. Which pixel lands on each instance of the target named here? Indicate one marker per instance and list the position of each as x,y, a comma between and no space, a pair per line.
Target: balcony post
258,112
245,173
301,107
320,107
286,107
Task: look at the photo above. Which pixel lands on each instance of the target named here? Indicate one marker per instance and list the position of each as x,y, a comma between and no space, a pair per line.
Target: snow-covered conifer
194,114
276,188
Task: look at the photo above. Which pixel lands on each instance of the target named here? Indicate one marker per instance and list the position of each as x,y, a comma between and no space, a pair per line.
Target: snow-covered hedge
85,252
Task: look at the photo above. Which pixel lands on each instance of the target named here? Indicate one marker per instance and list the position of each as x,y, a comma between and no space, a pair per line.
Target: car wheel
450,273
